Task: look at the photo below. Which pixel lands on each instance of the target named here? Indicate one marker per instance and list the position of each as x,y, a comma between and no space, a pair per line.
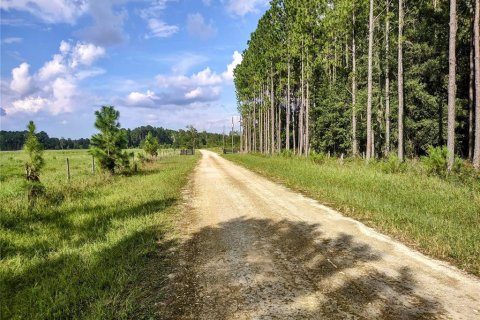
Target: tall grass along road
253,249
93,248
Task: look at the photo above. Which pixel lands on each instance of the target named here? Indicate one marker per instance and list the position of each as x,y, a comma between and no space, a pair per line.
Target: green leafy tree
107,145
35,163
192,136
150,145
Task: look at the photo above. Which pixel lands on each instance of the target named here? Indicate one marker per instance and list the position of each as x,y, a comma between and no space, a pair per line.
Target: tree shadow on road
265,269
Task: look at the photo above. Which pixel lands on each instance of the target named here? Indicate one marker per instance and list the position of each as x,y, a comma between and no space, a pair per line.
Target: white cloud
11,40
156,26
200,87
236,60
203,78
64,91
86,54
28,105
243,7
159,29
54,88
197,27
52,68
21,80
49,11
206,77
199,93
70,58
142,99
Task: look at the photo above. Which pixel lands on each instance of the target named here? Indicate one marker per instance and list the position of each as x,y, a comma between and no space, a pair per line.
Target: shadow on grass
89,260
252,268
70,285
93,227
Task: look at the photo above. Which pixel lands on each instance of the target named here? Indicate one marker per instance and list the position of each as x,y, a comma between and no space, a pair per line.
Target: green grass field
81,251
440,217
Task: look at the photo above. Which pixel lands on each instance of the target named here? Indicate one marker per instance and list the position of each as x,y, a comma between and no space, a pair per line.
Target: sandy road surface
256,250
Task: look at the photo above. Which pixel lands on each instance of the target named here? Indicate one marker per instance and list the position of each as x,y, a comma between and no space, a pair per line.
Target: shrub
393,165
318,158
436,161
287,153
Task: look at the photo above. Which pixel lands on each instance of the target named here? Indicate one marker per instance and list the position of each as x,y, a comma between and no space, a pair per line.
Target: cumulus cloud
86,54
243,7
21,79
236,60
54,87
202,78
142,99
202,93
175,90
197,27
29,105
52,68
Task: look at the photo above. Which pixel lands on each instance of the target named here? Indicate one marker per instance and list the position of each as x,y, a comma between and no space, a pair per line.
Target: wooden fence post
68,170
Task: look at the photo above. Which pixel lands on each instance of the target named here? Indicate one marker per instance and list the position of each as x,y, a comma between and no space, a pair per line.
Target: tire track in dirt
253,249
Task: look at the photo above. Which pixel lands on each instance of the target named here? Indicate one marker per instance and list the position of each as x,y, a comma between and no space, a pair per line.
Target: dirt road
256,250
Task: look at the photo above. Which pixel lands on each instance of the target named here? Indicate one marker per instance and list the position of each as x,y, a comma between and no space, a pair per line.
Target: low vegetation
413,201
80,250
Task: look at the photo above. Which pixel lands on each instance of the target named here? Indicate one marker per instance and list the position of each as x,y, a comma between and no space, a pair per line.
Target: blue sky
160,62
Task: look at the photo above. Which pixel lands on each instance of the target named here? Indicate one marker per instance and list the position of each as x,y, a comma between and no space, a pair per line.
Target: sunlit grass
439,216
80,250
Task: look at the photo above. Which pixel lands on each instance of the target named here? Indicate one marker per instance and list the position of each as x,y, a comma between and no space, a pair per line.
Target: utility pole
233,126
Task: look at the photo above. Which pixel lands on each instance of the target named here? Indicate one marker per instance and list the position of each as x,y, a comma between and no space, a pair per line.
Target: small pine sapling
35,163
151,145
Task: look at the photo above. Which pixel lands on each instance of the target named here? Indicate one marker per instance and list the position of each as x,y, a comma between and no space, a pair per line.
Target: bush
436,161
318,158
393,165
287,153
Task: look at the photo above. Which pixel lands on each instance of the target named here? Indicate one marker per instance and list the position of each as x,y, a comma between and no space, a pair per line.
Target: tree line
363,77
14,140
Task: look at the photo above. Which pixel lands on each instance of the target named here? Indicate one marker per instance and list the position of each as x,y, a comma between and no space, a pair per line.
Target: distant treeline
14,140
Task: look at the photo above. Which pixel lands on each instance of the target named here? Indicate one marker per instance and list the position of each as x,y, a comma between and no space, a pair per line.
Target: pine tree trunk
242,128
354,91
287,122
400,81
272,114
452,88
307,115
471,94
370,83
476,152
301,116
294,131
279,128
387,80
